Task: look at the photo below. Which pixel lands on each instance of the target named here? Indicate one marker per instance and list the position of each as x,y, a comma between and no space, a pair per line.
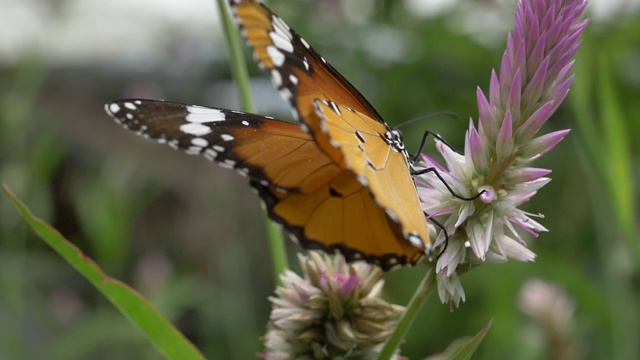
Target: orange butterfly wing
320,204
297,71
273,152
380,163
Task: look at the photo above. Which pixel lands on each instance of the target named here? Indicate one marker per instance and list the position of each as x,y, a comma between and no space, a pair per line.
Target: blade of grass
239,70
164,337
619,171
619,182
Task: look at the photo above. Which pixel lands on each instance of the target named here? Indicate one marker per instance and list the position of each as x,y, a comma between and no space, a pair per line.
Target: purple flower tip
488,194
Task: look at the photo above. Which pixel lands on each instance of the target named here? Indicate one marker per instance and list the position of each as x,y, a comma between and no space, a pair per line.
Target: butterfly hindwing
342,216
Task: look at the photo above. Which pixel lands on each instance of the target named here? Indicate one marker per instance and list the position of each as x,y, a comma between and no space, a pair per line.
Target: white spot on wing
415,240
276,56
305,43
199,114
226,137
199,142
286,93
335,108
276,78
114,108
281,41
392,214
363,180
279,23
195,129
226,165
130,106
210,154
193,150
245,123
218,148
293,79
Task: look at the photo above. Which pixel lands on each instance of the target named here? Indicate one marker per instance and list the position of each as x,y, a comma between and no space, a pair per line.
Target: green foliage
161,333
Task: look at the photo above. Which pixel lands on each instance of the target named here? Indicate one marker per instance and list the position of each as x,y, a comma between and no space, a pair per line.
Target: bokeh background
190,236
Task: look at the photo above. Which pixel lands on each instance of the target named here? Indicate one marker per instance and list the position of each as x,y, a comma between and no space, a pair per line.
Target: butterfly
340,180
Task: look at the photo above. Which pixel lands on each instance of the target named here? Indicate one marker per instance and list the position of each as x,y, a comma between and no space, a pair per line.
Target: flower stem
239,70
428,283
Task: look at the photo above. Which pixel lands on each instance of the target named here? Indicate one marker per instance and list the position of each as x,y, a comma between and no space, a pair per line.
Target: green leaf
166,338
463,348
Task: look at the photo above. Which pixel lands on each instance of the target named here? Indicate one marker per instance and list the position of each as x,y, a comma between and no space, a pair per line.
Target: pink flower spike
525,174
485,111
476,149
533,91
541,145
494,91
531,126
506,73
513,99
529,85
537,55
521,59
504,143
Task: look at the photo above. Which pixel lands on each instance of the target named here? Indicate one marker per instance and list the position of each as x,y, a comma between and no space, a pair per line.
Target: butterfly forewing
296,70
270,151
381,166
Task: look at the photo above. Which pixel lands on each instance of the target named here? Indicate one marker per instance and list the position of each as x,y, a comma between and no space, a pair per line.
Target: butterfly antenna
415,157
446,234
426,134
428,116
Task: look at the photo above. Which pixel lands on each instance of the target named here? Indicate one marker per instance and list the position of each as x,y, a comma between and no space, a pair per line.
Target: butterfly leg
435,171
446,234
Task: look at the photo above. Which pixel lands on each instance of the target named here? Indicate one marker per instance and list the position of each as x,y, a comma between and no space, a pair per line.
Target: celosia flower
335,310
534,79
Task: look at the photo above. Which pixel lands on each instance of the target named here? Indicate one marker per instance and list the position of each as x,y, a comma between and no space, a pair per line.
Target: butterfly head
394,139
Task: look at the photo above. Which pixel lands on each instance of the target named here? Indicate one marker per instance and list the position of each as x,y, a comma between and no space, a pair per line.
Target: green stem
418,299
239,70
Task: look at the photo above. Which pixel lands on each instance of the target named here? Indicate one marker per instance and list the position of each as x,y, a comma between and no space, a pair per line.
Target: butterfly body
340,180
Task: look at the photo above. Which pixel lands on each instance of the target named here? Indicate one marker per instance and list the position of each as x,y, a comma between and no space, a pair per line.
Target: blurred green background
190,236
